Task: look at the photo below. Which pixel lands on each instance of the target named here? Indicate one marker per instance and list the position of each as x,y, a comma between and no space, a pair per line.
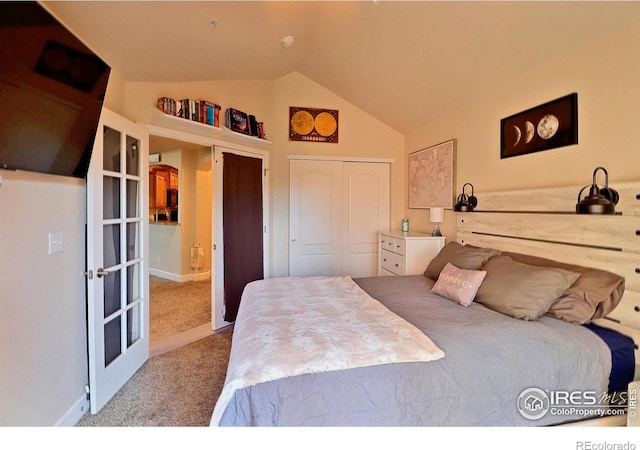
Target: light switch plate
56,243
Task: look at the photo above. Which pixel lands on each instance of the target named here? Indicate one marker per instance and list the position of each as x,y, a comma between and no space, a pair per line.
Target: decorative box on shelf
406,253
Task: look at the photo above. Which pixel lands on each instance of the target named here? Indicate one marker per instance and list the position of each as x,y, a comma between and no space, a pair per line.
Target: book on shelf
202,111
184,108
211,113
253,126
237,120
167,105
208,113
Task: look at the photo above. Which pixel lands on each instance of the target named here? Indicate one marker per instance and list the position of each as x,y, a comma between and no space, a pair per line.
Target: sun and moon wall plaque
550,125
313,124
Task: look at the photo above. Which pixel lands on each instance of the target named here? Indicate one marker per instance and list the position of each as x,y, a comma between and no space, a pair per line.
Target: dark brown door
243,228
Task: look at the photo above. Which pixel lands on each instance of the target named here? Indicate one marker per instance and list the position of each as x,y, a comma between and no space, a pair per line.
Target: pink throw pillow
459,285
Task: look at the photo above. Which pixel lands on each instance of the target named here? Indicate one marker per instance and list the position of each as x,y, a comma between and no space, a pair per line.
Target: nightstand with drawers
406,253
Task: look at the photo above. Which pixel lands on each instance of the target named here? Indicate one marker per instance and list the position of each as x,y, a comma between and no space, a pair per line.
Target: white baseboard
201,276
180,278
74,413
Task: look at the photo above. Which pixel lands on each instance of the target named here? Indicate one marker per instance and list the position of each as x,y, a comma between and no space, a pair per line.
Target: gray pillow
520,290
594,295
461,256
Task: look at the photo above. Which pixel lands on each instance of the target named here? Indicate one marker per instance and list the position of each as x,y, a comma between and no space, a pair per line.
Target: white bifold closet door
336,210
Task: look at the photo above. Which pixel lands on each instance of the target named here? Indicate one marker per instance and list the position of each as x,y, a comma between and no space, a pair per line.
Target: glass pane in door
111,150
134,324
132,198
133,249
112,293
111,245
133,283
112,340
133,156
111,194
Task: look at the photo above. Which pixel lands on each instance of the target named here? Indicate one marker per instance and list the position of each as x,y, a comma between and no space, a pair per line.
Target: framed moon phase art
551,125
313,124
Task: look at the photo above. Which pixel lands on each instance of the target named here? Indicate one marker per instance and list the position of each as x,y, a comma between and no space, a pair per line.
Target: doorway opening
180,247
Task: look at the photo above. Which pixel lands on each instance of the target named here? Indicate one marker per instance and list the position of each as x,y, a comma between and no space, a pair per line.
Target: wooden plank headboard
543,222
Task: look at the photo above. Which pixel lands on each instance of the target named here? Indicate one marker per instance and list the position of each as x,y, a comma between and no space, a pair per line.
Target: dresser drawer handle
636,308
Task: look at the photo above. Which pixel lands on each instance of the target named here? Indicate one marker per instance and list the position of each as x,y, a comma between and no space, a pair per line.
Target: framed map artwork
431,176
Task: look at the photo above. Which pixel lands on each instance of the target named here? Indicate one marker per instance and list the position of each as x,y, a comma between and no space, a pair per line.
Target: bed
488,354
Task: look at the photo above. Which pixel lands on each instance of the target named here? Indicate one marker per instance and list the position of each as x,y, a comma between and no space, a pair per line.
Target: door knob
102,273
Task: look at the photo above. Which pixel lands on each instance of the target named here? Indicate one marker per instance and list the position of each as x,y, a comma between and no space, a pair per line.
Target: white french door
117,255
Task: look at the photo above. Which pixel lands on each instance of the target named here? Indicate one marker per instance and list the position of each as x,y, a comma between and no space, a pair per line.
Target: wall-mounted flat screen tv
51,92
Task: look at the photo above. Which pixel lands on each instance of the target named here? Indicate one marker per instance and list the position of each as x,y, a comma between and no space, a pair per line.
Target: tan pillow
461,256
520,290
595,294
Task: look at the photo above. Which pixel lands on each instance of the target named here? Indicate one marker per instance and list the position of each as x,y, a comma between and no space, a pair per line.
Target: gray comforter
490,360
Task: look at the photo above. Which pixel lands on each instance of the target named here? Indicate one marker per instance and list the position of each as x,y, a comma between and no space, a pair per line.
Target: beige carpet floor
176,307
176,389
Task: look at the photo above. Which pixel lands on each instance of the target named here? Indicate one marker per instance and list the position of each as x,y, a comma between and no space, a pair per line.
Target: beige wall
360,135
43,341
605,75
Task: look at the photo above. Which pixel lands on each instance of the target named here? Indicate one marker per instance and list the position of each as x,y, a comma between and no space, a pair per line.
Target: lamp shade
436,215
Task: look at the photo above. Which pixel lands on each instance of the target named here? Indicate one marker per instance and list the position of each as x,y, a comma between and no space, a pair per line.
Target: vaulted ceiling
401,62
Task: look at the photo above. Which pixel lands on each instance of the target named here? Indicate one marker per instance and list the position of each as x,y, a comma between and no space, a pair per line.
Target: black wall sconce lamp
599,201
464,202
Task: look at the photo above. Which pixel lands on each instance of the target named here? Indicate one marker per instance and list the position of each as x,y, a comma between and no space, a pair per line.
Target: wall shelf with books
205,116
169,119
204,129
